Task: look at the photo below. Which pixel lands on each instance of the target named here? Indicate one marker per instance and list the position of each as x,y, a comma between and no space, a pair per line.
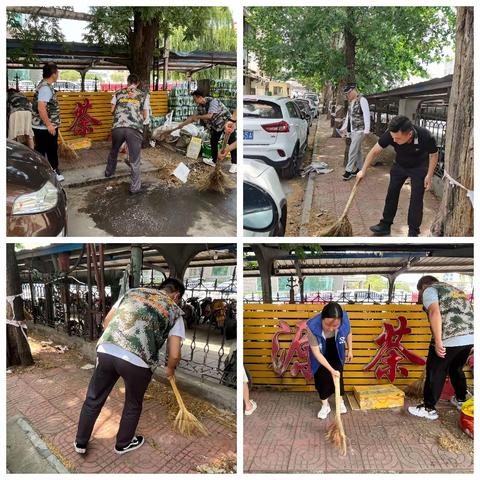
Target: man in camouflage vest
46,117
136,328
19,115
450,314
130,109
357,125
213,115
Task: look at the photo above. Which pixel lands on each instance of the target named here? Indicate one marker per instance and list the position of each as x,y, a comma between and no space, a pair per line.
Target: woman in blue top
328,334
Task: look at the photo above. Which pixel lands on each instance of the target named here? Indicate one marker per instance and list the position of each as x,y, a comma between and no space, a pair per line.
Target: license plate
247,135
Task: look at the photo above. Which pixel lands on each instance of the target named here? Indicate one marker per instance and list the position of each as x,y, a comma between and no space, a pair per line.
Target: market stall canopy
117,256
365,259
434,88
81,56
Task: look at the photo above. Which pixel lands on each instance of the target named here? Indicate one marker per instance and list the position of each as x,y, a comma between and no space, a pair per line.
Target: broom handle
338,417
60,136
226,137
177,393
350,198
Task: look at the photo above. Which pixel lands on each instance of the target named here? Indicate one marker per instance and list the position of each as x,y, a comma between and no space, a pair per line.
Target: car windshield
261,109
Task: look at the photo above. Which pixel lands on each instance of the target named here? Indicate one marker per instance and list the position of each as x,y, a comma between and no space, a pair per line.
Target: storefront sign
296,354
82,124
386,362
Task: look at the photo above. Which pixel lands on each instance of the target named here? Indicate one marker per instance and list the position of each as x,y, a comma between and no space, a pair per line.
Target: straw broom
335,432
342,227
65,151
185,422
217,180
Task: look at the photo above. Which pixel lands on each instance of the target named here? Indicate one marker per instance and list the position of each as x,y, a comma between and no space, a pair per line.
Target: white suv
275,132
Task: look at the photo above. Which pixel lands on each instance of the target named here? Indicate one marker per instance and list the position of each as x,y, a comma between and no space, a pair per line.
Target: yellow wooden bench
261,323
100,109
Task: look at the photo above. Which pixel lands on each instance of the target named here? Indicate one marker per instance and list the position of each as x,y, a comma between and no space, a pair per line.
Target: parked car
307,108
316,101
67,86
36,202
275,132
264,201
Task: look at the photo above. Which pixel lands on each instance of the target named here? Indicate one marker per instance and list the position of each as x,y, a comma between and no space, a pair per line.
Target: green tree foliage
30,29
70,75
377,283
378,47
142,30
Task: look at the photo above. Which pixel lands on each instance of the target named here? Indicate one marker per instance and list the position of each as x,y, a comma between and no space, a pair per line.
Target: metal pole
166,55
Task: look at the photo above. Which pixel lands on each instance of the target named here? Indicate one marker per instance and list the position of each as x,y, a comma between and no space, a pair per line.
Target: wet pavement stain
161,211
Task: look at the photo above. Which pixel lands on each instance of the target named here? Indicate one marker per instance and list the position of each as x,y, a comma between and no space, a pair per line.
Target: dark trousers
398,176
47,144
215,140
437,370
133,138
108,370
323,378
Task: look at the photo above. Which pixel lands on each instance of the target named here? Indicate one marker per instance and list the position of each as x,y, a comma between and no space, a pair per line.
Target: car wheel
289,171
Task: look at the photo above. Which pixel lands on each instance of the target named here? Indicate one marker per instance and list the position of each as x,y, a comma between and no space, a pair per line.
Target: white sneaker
60,177
324,411
254,407
233,169
421,411
343,407
209,161
455,402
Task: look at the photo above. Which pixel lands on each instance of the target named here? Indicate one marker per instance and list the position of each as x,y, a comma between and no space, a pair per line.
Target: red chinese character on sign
82,124
281,357
391,352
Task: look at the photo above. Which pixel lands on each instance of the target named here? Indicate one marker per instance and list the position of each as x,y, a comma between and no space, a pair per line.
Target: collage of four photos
183,309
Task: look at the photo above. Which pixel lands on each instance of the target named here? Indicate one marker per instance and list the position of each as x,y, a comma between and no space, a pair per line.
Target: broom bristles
217,181
336,436
67,153
188,424
341,228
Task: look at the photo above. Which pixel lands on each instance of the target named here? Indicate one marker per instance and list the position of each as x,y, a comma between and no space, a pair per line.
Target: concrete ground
284,436
103,207
49,396
330,193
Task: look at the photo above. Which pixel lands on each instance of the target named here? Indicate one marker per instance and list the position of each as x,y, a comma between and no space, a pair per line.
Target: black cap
349,87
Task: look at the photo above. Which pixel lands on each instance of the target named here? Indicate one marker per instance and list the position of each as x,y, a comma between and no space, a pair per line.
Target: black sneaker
79,448
412,234
142,189
380,230
349,175
136,442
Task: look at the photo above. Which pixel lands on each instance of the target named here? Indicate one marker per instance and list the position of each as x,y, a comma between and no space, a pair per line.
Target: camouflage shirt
456,311
221,114
17,102
129,105
141,323
53,107
356,114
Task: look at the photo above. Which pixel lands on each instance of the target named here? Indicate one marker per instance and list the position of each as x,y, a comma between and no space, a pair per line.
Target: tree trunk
455,217
350,54
142,48
18,349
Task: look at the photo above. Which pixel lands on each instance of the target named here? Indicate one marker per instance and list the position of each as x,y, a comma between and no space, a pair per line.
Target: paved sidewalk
285,436
50,395
331,192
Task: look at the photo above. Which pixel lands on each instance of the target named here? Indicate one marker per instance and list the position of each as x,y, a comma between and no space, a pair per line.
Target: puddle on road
161,211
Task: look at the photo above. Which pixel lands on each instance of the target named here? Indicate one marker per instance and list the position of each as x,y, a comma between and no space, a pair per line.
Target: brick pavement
331,192
285,436
50,395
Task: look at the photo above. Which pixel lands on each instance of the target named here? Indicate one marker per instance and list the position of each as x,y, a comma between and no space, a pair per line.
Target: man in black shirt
417,157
